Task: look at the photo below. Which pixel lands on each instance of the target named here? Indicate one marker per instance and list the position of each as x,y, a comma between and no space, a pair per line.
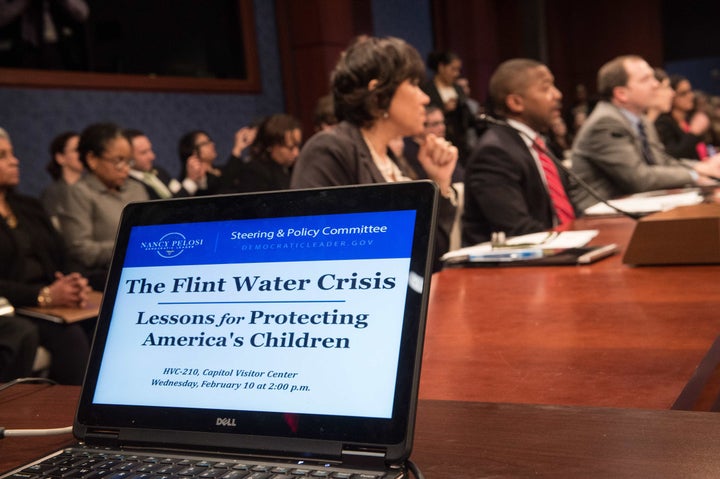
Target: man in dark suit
511,185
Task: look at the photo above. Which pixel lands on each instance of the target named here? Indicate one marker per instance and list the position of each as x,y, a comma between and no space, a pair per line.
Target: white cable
36,432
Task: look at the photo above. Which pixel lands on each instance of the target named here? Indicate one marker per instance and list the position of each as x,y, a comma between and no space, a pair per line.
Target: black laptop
268,335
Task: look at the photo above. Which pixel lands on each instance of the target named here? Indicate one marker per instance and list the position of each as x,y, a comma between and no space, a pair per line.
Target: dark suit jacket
45,243
503,189
341,157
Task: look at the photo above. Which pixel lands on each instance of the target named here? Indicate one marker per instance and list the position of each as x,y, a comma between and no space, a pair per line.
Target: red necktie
558,196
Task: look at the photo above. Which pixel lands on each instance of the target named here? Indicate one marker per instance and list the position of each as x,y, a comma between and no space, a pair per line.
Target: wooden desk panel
480,440
458,440
605,334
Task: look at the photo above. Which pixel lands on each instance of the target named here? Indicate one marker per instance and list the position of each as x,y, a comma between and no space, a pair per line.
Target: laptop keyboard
84,464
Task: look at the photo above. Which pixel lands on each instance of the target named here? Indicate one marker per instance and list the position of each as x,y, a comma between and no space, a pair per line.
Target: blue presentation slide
296,314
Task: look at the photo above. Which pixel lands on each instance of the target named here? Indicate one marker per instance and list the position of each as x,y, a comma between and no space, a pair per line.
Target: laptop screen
261,315
279,314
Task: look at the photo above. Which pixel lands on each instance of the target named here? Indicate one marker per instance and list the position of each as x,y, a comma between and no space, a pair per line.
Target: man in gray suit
616,152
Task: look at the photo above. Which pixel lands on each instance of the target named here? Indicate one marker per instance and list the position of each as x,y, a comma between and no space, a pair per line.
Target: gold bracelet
44,298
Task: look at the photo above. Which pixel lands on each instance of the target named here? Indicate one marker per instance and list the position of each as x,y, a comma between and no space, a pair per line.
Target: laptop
265,335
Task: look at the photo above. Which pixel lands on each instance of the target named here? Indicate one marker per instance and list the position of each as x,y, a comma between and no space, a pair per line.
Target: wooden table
605,334
457,440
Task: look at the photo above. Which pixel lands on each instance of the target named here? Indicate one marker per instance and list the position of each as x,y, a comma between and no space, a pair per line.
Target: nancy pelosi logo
171,245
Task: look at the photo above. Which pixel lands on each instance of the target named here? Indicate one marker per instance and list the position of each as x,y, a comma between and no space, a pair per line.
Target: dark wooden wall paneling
579,36
312,34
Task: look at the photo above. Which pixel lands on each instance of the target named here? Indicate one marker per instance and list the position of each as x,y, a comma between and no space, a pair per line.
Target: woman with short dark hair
91,210
377,98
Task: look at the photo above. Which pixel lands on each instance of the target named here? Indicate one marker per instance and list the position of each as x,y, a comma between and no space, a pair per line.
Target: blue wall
33,117
406,19
703,73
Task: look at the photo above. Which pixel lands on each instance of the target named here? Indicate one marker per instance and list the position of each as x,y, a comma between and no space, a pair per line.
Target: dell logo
225,421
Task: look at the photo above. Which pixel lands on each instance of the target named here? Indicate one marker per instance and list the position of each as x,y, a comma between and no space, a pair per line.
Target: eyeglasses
119,163
683,92
434,124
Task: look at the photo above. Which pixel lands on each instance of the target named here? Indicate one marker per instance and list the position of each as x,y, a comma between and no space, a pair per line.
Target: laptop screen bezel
394,433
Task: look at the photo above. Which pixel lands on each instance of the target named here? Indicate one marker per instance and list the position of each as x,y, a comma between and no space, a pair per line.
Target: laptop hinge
101,437
366,458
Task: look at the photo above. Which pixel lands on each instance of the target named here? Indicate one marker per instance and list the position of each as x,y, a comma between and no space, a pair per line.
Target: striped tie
563,209
645,144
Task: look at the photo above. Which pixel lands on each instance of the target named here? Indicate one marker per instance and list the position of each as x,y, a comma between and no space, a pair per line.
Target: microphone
558,164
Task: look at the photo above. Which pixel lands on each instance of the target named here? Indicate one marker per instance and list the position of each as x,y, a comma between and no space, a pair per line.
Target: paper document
646,203
6,308
65,314
525,244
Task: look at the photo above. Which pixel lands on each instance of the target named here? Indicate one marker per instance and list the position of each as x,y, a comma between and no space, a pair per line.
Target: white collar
529,135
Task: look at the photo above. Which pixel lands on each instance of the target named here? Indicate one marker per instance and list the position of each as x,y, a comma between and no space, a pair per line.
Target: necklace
10,219
7,213
387,168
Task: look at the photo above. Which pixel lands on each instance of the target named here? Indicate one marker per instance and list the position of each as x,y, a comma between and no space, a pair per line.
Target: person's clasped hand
69,290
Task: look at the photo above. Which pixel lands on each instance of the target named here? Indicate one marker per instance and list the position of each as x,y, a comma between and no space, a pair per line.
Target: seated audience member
324,116
434,124
272,155
559,138
511,183
473,105
445,93
475,109
703,104
31,274
714,114
662,99
683,129
64,167
580,108
197,156
377,100
18,346
615,152
91,209
243,139
157,181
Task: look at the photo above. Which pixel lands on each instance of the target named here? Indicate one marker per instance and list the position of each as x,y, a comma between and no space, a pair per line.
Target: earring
385,115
